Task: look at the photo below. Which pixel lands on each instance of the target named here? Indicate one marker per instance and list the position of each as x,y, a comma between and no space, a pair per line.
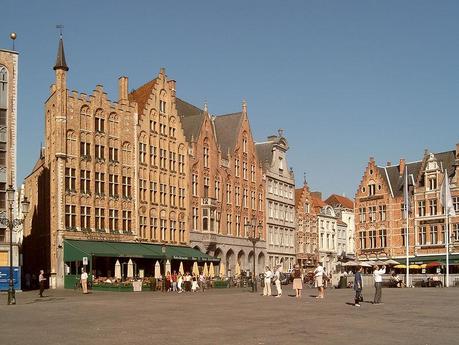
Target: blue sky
346,80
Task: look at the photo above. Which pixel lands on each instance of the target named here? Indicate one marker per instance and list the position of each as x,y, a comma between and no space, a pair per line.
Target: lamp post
163,251
11,224
254,237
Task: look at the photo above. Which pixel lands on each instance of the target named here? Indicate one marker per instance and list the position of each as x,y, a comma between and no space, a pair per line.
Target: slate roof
191,118
227,129
396,181
336,200
265,152
142,94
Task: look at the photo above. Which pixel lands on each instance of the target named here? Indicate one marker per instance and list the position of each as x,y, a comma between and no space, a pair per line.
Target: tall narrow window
70,217
113,185
99,184
70,179
100,219
206,156
127,221
113,221
85,218
85,182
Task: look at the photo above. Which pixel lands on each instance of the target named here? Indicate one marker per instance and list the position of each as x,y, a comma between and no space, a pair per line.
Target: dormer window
244,145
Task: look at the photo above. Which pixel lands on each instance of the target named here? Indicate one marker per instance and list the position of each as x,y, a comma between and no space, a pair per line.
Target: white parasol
130,272
181,270
117,269
157,270
211,270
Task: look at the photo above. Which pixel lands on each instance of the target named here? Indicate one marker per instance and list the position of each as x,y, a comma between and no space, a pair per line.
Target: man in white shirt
318,277
84,280
268,276
377,276
278,280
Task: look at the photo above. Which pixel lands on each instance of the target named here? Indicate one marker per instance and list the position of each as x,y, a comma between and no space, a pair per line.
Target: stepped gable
142,94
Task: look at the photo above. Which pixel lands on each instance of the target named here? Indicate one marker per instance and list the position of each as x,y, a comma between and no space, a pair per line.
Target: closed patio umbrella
237,269
181,270
130,272
117,269
211,270
195,268
157,270
205,270
222,270
168,266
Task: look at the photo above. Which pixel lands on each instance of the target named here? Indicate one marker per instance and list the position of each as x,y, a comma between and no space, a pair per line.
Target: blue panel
5,276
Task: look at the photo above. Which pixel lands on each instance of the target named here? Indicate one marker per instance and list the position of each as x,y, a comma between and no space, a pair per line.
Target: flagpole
446,208
407,237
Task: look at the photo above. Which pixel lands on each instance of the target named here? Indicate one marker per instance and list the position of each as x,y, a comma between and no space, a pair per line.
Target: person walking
41,282
358,287
377,276
84,281
277,280
174,281
179,283
297,281
319,279
268,277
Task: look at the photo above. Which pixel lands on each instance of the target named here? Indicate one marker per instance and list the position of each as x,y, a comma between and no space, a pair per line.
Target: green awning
453,259
75,250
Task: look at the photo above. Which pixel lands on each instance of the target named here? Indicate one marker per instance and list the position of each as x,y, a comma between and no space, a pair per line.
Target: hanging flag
445,197
406,196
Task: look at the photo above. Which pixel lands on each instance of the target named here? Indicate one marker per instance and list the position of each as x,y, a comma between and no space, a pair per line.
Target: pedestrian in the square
41,282
277,281
319,279
179,283
297,281
84,281
174,281
268,276
202,282
358,286
377,276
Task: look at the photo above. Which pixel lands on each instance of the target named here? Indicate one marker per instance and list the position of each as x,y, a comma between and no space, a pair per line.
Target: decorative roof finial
205,106
280,131
13,38
244,106
60,59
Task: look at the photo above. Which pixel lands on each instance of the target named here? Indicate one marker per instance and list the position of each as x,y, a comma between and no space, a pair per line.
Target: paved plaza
421,316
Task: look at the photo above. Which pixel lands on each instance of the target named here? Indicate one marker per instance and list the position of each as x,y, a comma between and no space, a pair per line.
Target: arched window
126,155
99,121
84,117
205,153
71,143
113,124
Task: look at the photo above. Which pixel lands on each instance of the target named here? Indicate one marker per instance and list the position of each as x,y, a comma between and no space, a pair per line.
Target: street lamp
254,237
11,224
163,251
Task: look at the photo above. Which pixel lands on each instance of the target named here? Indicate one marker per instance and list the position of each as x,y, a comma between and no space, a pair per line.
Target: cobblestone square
231,316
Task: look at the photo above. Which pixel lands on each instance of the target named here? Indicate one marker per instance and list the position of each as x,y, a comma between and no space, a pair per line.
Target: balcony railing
209,202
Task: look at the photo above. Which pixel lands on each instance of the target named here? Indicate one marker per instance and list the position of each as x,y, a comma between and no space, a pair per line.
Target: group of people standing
297,277
177,282
358,284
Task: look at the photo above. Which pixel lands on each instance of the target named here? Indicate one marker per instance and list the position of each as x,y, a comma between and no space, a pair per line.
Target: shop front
126,261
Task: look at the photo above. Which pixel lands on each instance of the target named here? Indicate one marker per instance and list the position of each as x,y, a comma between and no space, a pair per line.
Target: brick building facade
109,171
379,209
227,186
307,239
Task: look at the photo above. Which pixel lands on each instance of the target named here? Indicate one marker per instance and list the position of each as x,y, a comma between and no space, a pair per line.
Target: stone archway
261,262
250,261
241,260
230,262
218,254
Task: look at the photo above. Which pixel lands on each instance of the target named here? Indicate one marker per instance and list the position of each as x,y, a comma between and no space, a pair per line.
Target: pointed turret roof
60,59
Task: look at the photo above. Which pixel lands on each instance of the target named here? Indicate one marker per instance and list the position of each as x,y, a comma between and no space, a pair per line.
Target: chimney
317,195
388,164
402,166
123,88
